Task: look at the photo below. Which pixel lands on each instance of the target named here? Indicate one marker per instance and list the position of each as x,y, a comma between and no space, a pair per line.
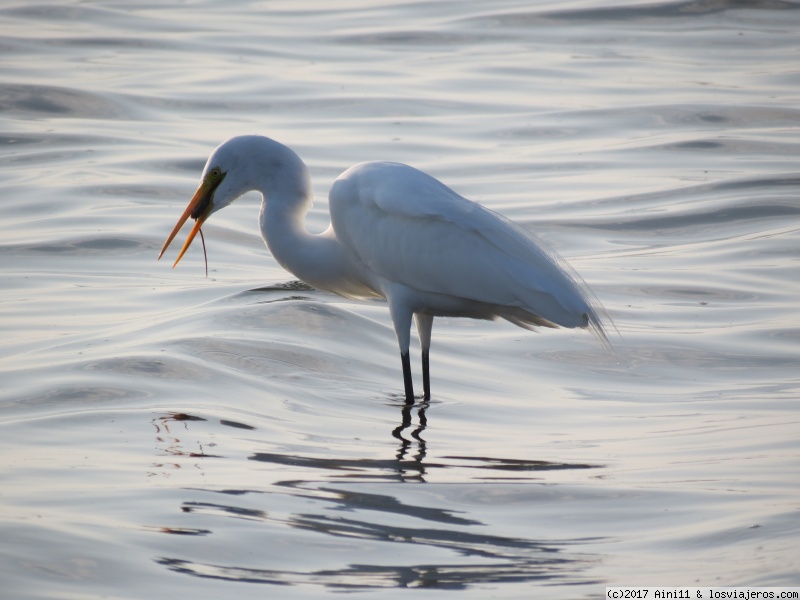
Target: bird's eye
214,173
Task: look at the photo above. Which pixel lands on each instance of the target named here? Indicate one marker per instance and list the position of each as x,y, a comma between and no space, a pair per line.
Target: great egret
399,234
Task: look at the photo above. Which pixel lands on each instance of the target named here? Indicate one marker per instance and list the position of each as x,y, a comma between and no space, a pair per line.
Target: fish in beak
199,209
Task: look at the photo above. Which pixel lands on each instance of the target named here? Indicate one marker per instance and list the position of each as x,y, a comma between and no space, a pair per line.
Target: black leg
409,384
426,375
424,328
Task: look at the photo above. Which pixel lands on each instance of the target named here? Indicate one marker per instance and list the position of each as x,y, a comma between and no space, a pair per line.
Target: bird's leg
424,327
409,384
426,376
401,315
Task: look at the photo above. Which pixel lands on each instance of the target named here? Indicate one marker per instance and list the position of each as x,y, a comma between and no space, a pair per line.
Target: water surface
167,434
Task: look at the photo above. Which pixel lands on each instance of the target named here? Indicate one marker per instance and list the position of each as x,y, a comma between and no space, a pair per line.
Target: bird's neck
317,259
282,222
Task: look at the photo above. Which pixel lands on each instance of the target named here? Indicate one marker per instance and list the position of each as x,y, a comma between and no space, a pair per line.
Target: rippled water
166,434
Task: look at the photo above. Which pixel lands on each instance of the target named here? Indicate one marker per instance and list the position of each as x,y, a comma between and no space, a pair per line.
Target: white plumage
400,234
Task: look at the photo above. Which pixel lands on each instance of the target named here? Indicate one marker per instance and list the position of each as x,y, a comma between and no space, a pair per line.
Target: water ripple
32,101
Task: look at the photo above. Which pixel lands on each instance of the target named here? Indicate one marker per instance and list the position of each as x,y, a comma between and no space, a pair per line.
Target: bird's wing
409,228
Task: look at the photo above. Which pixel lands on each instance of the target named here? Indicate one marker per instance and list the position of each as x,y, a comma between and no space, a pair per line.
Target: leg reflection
405,462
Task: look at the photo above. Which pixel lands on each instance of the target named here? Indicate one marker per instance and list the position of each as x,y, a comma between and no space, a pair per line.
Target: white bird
399,234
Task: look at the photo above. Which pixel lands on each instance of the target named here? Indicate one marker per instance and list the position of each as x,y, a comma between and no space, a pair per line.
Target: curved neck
282,224
317,259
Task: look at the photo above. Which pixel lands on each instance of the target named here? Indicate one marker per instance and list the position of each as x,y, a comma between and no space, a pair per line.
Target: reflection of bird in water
416,468
398,234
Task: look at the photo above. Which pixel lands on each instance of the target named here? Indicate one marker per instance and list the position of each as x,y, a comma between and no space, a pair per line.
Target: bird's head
222,182
235,167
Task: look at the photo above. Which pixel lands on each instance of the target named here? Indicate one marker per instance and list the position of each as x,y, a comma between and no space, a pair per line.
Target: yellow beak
199,209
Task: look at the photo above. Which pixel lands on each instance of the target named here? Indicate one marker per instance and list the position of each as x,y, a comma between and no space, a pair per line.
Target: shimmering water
167,435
